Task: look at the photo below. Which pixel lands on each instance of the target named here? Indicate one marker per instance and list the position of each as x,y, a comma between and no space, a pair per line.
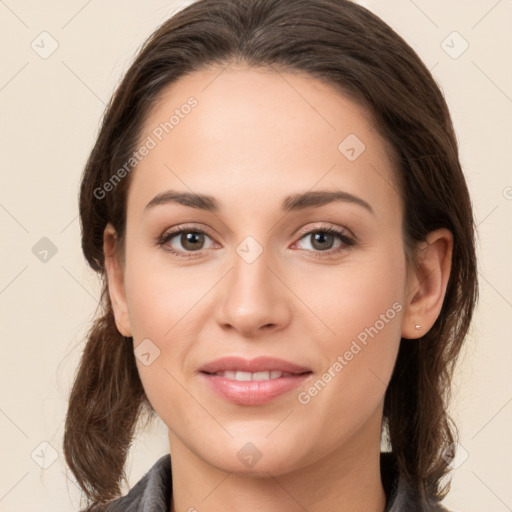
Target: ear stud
418,327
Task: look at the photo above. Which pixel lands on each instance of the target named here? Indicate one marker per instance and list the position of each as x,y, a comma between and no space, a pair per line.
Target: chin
257,458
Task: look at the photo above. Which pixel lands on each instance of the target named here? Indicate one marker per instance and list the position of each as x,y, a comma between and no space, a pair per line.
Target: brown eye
322,241
328,240
192,240
184,242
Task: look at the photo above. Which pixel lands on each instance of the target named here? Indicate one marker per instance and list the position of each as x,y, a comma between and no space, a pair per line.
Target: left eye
324,240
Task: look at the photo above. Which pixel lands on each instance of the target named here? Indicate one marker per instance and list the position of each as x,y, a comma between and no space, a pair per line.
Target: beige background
50,111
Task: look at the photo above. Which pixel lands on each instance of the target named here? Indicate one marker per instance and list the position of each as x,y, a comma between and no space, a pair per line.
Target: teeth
261,376
247,376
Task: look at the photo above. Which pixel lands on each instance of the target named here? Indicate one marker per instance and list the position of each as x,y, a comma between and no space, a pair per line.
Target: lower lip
253,392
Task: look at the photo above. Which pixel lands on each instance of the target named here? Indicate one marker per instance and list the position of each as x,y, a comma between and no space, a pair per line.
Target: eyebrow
295,202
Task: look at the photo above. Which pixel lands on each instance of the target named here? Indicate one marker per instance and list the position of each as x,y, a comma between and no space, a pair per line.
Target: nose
254,298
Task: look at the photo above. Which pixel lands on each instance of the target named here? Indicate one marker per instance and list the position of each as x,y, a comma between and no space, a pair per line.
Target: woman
277,209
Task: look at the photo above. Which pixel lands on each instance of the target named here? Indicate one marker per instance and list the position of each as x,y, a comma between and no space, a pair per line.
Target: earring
418,327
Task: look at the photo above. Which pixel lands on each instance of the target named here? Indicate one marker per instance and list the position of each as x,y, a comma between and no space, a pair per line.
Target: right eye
183,242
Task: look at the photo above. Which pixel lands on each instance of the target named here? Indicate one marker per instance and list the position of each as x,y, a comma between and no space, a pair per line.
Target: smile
252,382
247,376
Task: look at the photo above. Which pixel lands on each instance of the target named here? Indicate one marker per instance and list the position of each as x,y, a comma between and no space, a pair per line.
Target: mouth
248,376
253,382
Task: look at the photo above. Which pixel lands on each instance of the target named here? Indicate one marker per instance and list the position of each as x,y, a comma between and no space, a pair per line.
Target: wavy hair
343,45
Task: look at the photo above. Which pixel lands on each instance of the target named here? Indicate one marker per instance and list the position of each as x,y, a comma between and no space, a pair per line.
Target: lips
252,382
247,376
259,364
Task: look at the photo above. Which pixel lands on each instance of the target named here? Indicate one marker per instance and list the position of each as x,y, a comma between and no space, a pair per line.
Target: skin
256,137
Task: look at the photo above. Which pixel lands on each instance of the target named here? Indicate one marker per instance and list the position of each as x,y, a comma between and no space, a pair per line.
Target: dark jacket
152,493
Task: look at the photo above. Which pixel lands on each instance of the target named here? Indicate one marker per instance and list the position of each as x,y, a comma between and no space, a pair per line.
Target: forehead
256,134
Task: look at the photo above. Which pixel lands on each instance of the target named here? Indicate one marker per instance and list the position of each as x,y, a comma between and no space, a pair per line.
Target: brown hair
346,46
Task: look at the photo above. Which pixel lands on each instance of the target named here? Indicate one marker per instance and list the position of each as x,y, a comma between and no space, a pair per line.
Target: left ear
426,284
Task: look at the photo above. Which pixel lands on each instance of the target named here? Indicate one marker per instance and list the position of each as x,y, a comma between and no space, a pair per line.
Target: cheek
161,310
160,297
164,303
355,295
364,310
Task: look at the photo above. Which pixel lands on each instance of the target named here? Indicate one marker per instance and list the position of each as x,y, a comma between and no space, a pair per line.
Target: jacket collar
152,493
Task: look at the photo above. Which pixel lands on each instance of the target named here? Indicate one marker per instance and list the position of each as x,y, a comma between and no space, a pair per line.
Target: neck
347,479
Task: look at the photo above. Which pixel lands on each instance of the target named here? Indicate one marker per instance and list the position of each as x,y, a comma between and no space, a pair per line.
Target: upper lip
259,364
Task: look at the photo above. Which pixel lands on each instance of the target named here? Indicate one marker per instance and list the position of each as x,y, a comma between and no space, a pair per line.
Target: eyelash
347,241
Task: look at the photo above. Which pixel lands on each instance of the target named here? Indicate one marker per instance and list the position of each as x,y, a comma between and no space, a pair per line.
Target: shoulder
401,496
152,493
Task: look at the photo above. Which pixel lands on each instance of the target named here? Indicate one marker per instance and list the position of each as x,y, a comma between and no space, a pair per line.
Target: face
315,286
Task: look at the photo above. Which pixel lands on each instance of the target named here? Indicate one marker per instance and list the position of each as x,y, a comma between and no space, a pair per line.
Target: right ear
115,276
